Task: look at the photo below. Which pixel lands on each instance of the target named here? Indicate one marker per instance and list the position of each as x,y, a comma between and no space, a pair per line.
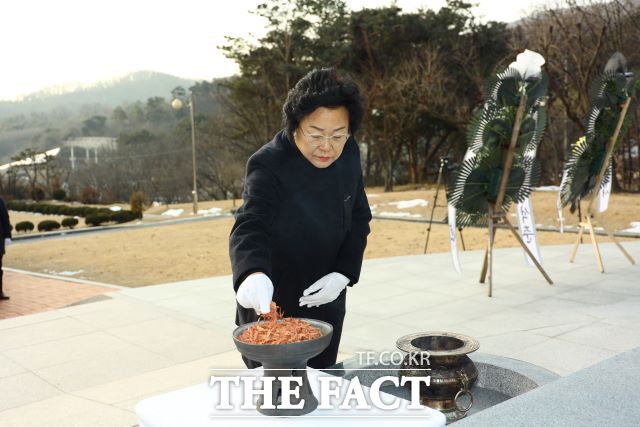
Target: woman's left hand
328,287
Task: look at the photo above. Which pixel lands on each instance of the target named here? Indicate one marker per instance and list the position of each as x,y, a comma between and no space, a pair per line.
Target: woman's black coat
297,224
5,225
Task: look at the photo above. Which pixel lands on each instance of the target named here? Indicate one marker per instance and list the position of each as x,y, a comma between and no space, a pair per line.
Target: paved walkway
34,293
89,364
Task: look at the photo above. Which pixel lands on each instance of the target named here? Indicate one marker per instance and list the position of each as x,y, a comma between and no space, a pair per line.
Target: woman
300,235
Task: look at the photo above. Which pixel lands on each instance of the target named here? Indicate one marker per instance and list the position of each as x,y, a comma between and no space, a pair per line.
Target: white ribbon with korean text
527,226
605,192
451,214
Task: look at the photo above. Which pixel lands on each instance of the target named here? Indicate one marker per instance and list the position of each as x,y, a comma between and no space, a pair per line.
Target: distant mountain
133,87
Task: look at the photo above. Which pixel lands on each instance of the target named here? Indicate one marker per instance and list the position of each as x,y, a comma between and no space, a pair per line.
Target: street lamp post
177,104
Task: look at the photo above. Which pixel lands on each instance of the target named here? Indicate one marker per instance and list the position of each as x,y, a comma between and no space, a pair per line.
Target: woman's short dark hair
322,88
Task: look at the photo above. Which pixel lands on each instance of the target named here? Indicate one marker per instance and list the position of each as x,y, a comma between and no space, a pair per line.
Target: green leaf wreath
587,157
477,182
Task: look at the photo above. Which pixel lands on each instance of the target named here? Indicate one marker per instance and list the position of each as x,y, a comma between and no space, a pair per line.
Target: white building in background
88,144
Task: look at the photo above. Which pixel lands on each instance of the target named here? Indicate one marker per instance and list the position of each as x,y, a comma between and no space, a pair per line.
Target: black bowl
286,360
285,355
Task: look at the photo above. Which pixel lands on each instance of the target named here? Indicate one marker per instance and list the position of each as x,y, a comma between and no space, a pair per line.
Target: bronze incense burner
452,372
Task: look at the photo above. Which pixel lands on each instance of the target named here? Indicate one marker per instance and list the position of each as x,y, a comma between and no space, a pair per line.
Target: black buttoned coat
5,225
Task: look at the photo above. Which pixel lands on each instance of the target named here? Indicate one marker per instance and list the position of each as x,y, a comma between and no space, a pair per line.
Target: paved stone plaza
89,364
35,293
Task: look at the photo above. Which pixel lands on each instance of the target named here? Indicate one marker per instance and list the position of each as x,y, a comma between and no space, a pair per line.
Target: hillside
43,119
133,87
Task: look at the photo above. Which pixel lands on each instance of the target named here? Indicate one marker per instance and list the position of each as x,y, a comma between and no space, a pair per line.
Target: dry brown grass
140,257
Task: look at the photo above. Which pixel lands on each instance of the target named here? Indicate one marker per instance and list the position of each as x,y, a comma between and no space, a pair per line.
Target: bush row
70,222
48,209
46,225
82,211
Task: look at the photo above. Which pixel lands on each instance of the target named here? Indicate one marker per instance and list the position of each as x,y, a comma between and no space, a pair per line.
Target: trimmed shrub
25,226
69,222
123,216
59,194
48,225
137,202
97,219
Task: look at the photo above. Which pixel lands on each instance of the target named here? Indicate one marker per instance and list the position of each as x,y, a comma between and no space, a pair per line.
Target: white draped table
195,407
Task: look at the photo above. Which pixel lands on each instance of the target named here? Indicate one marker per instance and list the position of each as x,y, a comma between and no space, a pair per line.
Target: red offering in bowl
274,328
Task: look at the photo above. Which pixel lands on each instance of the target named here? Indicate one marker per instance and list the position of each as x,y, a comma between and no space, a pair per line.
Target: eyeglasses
316,140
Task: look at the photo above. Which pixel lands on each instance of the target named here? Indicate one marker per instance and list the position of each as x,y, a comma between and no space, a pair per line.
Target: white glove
7,241
328,287
256,291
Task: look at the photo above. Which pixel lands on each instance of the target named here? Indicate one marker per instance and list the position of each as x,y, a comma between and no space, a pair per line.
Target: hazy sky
51,42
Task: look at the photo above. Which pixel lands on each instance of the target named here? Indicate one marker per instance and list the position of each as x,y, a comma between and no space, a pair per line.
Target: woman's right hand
256,291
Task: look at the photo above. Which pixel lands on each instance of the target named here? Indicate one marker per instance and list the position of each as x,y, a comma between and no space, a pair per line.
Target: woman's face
321,135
